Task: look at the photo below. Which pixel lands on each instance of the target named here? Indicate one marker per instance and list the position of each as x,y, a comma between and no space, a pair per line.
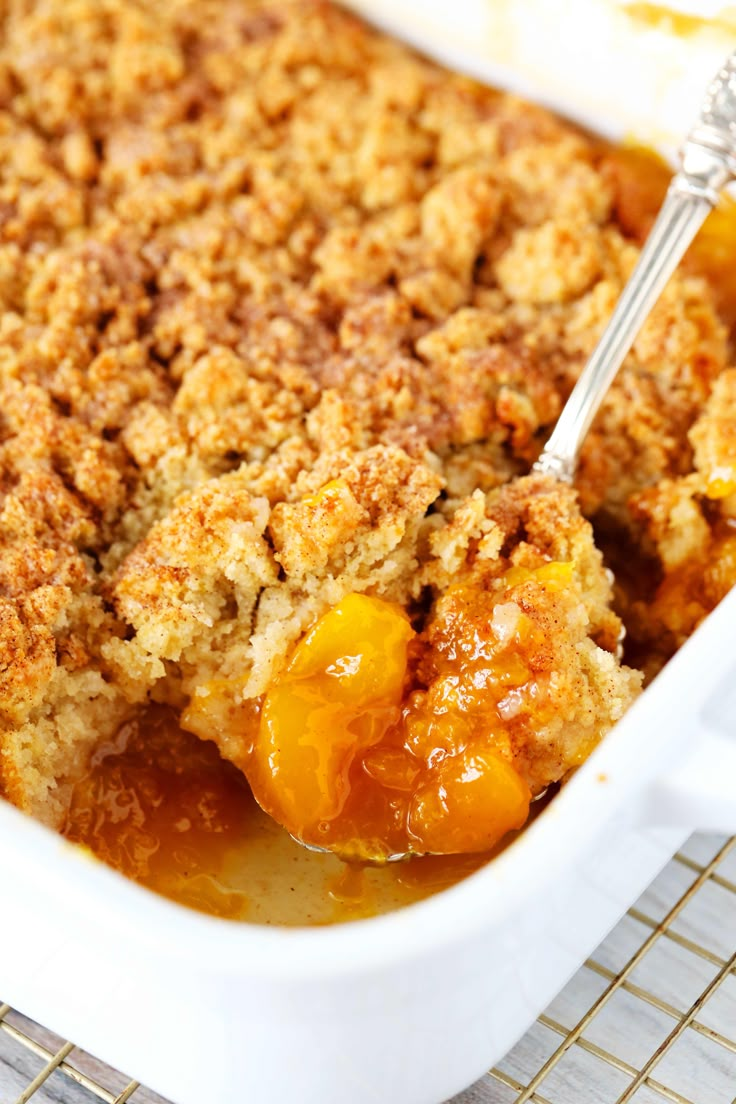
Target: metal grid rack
651,1017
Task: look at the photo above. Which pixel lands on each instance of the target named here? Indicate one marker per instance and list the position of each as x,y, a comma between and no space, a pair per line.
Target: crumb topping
283,308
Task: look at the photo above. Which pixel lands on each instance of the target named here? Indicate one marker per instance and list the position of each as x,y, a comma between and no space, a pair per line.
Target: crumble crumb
283,308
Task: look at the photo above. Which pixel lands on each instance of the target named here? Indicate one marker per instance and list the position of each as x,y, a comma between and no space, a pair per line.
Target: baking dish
409,1007
545,52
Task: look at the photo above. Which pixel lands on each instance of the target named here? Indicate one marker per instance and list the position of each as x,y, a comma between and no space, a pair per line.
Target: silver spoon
707,165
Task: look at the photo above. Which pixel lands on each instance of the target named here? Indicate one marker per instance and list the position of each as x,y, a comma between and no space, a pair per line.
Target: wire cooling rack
651,1017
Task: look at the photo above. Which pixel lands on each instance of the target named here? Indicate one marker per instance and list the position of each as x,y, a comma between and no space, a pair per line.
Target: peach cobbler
287,313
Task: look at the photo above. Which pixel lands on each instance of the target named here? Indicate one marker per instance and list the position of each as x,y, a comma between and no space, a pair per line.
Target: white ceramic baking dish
406,1008
621,68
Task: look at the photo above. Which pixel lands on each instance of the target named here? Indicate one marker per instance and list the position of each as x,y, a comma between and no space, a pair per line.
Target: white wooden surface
700,1068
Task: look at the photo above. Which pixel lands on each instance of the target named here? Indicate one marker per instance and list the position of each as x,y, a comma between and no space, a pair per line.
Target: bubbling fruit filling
355,753
381,738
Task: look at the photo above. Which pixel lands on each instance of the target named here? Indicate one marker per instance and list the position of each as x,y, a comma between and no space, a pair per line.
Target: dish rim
602,787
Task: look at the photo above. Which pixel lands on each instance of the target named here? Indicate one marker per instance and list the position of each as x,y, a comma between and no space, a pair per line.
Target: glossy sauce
682,24
163,808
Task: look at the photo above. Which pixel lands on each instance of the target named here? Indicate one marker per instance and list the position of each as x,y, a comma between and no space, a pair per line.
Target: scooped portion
343,763
377,740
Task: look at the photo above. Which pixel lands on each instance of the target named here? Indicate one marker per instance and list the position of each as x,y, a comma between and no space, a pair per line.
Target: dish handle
700,790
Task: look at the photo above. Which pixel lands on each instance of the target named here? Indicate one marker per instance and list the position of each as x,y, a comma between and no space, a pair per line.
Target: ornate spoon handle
707,164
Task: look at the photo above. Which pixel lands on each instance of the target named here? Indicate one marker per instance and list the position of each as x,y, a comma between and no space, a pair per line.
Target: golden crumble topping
283,309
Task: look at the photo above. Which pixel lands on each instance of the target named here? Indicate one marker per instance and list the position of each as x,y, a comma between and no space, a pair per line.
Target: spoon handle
707,164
